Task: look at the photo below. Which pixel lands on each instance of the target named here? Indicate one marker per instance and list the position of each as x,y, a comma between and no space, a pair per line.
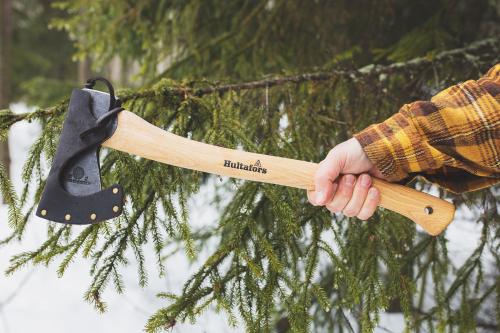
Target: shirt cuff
396,147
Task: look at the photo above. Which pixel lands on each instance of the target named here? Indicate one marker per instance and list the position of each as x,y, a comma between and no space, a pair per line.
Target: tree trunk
84,70
5,52
116,73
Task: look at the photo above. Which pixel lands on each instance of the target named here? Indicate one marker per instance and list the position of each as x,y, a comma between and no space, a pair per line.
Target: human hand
339,189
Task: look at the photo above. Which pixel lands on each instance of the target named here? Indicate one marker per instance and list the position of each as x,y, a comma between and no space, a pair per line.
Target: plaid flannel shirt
452,140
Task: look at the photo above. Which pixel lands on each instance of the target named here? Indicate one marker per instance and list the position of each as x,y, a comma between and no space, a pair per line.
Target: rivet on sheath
428,210
116,209
115,190
43,212
67,217
93,216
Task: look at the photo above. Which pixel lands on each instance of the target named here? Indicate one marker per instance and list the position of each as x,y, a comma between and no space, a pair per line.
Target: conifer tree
292,79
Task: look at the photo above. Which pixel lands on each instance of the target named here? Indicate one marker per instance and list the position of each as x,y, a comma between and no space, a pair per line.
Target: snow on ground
36,299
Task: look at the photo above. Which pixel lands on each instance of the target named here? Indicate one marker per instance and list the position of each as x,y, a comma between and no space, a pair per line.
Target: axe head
73,193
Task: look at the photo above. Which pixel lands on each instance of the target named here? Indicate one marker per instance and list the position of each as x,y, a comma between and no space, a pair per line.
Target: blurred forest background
276,263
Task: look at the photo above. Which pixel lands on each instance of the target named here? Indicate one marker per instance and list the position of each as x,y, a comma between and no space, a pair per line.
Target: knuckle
363,217
334,207
332,210
320,175
349,212
345,192
317,176
366,181
373,197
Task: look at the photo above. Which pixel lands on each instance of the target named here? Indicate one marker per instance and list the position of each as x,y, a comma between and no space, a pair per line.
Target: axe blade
73,193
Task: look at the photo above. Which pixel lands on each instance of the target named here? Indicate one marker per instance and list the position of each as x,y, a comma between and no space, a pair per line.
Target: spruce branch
475,52
431,315
10,199
108,270
366,71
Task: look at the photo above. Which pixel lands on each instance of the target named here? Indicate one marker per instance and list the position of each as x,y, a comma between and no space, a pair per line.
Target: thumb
328,171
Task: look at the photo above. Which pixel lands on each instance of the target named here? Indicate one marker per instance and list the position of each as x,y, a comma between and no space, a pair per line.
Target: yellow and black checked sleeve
452,140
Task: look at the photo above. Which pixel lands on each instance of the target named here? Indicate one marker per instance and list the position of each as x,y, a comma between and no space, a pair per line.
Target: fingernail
365,180
349,180
320,197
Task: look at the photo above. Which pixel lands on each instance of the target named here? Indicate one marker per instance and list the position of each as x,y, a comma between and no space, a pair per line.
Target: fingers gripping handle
431,213
136,136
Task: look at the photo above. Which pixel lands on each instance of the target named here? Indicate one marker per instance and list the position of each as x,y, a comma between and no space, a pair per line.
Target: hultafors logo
77,176
256,167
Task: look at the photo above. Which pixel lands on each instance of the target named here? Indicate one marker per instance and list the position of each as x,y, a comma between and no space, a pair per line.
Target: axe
73,192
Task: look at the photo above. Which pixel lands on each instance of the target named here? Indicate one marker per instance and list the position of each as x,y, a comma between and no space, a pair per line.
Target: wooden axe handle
136,136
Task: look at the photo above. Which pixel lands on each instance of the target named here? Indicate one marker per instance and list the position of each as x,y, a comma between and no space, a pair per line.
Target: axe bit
73,193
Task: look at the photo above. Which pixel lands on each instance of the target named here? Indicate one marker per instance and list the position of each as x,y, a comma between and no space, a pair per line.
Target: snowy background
36,299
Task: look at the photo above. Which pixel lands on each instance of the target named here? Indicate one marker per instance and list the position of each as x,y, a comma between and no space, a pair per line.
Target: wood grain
136,136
